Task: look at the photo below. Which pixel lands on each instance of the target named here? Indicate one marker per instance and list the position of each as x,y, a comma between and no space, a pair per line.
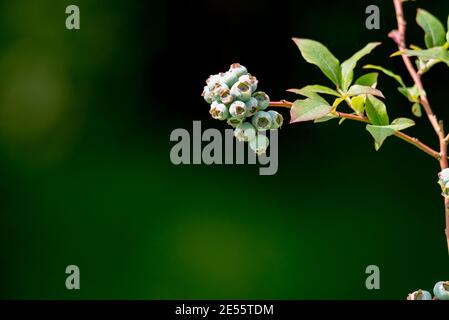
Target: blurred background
86,178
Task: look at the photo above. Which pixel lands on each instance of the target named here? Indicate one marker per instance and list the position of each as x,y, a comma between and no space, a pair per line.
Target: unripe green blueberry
251,80
419,295
277,119
226,97
207,95
234,122
237,109
263,100
219,111
230,78
241,91
238,69
251,107
259,144
213,80
218,89
441,290
262,121
245,132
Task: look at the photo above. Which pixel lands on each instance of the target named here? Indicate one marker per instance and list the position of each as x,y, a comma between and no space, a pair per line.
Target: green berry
241,91
262,121
237,109
230,78
219,111
251,107
441,290
419,295
245,132
263,101
234,122
251,80
207,95
213,80
226,97
259,144
277,119
238,69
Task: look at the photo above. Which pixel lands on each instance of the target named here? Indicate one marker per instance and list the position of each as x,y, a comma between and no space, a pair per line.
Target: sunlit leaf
358,104
369,79
437,53
387,72
433,28
308,109
416,110
347,67
380,133
316,53
376,111
357,90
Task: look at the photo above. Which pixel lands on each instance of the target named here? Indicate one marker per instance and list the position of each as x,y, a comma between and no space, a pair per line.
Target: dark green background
86,179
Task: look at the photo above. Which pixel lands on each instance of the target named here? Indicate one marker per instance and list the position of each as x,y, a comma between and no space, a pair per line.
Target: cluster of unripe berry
233,97
440,291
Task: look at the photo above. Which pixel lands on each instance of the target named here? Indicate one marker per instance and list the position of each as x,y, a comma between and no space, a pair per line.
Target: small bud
277,119
245,132
444,182
237,109
251,80
419,295
441,290
251,107
241,91
234,122
262,121
238,69
218,111
259,144
263,101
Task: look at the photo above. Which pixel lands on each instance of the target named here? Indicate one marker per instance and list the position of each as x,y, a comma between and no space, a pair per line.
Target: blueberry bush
234,98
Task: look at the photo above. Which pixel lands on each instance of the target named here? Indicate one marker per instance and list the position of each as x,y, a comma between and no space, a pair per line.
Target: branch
412,140
399,37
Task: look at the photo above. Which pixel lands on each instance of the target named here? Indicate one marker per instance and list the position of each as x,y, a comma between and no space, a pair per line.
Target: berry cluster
233,97
440,291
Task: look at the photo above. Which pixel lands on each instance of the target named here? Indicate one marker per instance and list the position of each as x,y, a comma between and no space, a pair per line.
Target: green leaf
416,110
358,104
380,133
447,34
316,53
433,28
376,111
325,118
308,94
437,53
305,91
387,72
412,93
308,109
369,79
347,67
357,90
401,124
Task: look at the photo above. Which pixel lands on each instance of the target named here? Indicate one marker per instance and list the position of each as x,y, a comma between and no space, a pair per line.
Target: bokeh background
86,178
